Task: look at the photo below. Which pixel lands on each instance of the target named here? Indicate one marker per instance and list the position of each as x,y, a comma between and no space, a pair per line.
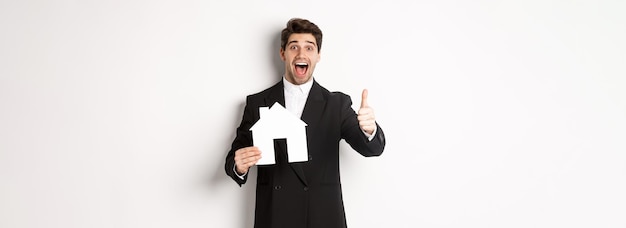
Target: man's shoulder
266,92
333,96
339,97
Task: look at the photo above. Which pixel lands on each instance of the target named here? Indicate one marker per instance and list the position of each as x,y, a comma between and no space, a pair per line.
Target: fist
245,158
366,118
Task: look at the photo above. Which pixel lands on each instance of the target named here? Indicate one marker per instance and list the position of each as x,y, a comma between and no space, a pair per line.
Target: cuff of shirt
369,137
240,176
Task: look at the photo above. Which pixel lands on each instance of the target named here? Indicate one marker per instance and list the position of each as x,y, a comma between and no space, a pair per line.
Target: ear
282,54
319,57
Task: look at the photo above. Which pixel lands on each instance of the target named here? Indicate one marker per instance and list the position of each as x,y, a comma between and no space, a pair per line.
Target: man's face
300,56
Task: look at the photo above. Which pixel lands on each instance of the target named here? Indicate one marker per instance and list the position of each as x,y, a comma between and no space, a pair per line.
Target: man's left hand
366,118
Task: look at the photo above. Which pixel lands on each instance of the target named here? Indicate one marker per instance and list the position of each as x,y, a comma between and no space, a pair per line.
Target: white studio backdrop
497,113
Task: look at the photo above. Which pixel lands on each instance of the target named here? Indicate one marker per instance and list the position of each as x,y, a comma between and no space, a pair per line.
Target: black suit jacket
306,194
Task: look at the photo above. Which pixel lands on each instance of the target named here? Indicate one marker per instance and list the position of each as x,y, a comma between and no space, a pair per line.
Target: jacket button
310,157
306,188
277,187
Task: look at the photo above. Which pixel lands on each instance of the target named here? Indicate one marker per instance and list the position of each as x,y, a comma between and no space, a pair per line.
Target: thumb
364,98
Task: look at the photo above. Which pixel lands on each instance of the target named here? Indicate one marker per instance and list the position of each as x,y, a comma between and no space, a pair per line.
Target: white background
497,113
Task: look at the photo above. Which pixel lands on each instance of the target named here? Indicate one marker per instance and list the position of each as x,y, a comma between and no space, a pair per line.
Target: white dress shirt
296,95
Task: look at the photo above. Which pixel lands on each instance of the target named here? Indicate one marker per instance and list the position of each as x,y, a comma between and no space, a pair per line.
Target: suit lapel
314,106
310,115
277,94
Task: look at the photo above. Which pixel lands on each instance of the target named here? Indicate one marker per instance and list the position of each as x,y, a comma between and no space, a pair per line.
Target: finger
250,149
254,150
247,159
253,160
243,157
251,153
367,123
365,111
241,151
247,150
250,162
245,163
365,117
364,98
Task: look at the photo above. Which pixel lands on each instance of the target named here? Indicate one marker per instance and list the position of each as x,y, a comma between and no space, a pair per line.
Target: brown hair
299,25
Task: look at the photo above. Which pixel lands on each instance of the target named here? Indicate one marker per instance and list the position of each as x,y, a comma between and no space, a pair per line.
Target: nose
299,53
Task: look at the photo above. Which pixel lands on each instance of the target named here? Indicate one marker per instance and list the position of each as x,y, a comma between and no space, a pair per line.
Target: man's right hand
245,158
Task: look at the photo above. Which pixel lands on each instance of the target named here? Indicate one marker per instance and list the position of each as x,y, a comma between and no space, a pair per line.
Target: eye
293,47
309,48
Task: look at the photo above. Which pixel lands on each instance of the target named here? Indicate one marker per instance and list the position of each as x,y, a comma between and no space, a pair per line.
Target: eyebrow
295,41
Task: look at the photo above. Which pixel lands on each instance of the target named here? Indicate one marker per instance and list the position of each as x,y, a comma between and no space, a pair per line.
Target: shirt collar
301,89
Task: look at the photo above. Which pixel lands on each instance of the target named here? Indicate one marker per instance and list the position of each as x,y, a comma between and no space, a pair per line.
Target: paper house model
278,123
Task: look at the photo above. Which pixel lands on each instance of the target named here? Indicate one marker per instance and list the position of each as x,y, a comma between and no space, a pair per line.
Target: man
304,194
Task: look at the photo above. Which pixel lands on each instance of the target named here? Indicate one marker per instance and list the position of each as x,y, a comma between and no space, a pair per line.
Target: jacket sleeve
354,136
243,139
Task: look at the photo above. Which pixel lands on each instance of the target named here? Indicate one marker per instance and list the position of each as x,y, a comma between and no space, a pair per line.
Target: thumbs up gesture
366,118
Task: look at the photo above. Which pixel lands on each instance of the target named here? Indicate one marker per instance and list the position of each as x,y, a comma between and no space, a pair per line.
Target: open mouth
301,68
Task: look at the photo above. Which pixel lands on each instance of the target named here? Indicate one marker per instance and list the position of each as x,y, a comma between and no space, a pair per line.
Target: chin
303,80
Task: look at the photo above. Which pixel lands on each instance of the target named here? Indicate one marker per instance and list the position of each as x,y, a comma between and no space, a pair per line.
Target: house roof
276,118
